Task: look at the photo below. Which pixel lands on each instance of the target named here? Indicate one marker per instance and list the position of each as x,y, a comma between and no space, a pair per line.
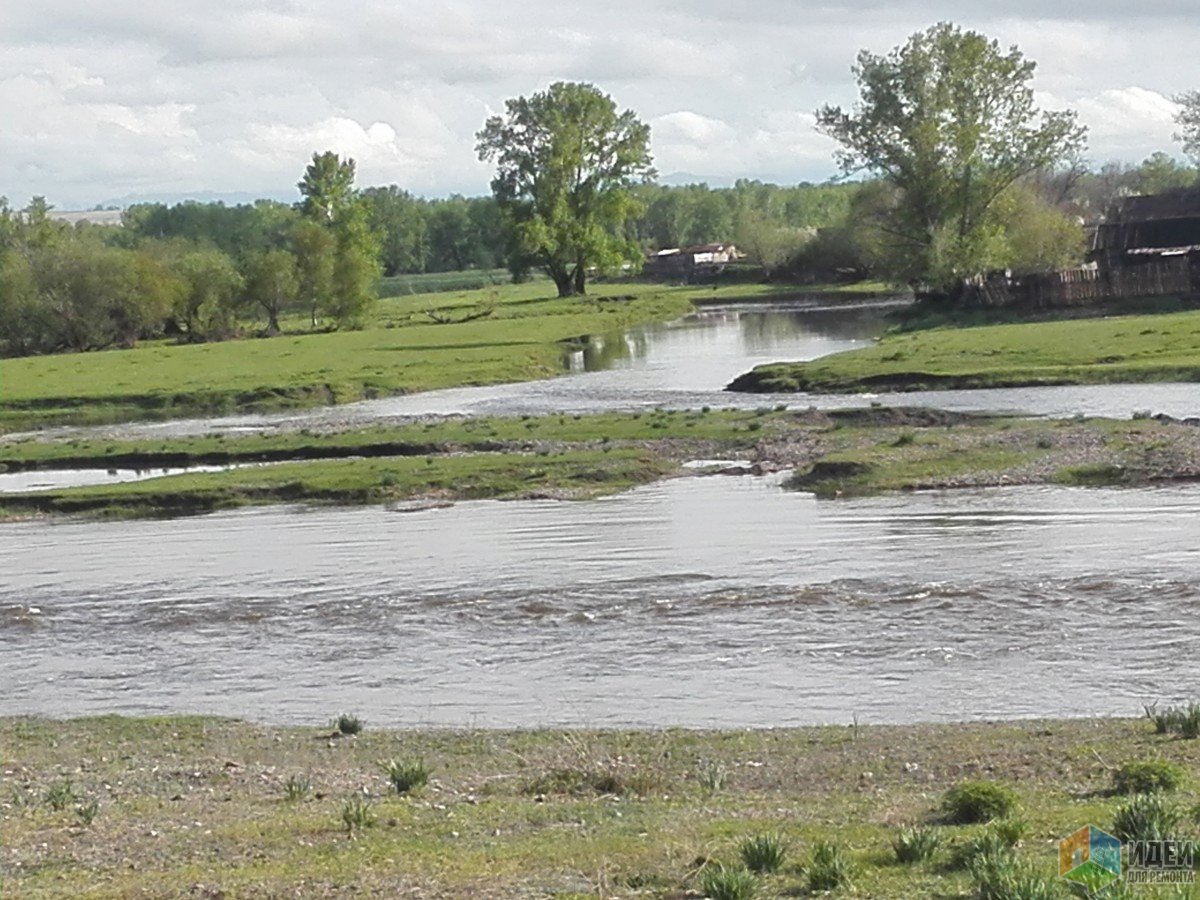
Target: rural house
1139,230
690,263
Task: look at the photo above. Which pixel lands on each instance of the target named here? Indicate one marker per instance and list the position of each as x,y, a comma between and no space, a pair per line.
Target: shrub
1147,776
297,787
1147,817
406,775
347,724
722,882
829,868
763,853
916,844
357,814
977,801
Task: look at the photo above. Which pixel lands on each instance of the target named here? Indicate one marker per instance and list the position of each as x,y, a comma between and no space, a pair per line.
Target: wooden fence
1084,286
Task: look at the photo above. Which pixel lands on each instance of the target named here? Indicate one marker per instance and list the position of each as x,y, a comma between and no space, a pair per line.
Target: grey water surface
707,601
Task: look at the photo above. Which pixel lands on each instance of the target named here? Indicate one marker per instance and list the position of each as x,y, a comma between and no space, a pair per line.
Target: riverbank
1136,349
517,333
829,453
501,334
197,807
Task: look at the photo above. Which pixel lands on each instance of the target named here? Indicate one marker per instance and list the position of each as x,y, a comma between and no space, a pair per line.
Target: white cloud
105,99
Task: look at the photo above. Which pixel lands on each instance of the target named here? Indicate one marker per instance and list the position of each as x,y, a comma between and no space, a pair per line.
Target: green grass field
402,351
1082,351
194,807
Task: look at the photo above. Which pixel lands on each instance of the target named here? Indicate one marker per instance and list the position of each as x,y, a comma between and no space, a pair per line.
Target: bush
347,724
406,775
722,882
764,853
914,845
978,801
1147,776
829,868
1147,817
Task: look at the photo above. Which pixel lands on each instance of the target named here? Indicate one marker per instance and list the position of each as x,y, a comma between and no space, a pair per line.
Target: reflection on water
706,601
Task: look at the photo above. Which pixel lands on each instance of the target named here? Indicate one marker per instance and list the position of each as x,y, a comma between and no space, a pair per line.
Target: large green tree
336,273
949,119
327,186
566,159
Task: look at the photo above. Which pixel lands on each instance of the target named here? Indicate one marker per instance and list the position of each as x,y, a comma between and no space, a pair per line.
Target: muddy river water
700,601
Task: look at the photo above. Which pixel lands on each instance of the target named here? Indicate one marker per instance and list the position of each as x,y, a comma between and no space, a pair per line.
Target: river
695,602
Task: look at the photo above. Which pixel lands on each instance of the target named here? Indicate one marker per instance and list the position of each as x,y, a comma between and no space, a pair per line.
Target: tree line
949,170
196,272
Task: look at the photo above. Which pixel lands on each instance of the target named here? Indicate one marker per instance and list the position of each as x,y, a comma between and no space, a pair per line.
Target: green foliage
763,853
725,882
406,775
977,801
829,868
209,300
949,119
917,844
1147,817
566,160
1147,776
327,186
348,724
357,813
272,283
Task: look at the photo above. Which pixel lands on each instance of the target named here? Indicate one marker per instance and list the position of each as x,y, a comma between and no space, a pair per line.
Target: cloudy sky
121,98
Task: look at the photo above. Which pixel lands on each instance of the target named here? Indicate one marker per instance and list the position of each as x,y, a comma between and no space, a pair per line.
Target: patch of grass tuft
61,794
763,853
357,814
829,869
297,787
1147,817
919,844
349,724
406,775
724,882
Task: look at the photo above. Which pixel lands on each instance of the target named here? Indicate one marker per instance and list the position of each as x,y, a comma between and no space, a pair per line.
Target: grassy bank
404,350
831,453
175,807
1083,351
